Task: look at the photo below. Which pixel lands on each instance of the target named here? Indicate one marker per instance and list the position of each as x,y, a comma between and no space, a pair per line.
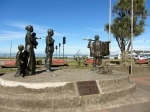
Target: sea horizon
43,55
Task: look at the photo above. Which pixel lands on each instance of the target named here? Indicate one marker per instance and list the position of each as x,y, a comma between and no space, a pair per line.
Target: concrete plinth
58,90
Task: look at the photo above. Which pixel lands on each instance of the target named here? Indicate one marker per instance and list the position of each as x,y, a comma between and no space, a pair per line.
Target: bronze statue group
26,60
25,57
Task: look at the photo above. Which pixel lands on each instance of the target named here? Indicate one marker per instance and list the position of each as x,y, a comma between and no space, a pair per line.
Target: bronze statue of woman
29,47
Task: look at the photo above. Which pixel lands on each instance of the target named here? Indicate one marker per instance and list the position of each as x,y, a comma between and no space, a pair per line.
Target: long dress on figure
31,63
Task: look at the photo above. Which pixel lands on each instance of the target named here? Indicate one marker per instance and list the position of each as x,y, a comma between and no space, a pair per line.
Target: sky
73,19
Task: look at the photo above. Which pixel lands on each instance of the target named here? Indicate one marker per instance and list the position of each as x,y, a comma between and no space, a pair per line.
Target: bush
115,57
39,62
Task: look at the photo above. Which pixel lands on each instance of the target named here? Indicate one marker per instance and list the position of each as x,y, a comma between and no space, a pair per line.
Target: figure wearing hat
95,51
29,47
98,49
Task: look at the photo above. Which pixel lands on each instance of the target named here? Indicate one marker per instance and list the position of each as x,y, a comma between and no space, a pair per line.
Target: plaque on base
87,88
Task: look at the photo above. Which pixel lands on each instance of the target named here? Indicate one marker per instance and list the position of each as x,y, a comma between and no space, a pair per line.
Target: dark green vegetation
121,26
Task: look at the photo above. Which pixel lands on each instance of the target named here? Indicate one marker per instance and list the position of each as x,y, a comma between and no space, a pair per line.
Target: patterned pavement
141,79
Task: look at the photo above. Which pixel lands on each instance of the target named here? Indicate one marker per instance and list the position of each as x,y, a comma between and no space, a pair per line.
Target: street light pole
56,50
10,48
131,33
59,50
64,41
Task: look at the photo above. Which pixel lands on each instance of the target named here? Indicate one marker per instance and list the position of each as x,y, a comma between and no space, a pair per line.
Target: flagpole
131,33
109,38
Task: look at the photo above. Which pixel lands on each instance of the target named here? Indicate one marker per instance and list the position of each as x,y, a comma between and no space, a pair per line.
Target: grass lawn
7,70
72,64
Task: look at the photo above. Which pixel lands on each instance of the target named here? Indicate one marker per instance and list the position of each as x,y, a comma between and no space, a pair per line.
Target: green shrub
39,62
115,57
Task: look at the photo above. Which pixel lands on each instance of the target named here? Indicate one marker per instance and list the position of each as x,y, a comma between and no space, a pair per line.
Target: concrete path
142,83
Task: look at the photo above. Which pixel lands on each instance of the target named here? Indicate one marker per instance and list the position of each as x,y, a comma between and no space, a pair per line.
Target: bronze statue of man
95,51
49,49
29,47
98,49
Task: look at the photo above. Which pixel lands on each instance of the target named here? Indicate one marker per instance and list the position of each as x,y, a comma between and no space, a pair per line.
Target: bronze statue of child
35,43
19,61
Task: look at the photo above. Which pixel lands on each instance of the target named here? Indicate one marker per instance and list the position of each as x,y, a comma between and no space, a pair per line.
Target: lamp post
59,50
10,48
64,41
131,34
56,50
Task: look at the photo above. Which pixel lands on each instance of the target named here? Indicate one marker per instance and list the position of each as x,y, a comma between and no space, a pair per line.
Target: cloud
141,41
15,33
96,29
40,29
11,35
141,47
16,30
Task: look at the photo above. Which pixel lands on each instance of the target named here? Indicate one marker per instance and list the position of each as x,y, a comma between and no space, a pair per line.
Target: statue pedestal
70,90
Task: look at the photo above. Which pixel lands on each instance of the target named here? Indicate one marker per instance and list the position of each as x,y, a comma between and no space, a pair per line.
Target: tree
121,26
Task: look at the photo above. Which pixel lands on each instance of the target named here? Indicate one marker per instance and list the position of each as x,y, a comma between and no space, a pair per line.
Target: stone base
59,90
